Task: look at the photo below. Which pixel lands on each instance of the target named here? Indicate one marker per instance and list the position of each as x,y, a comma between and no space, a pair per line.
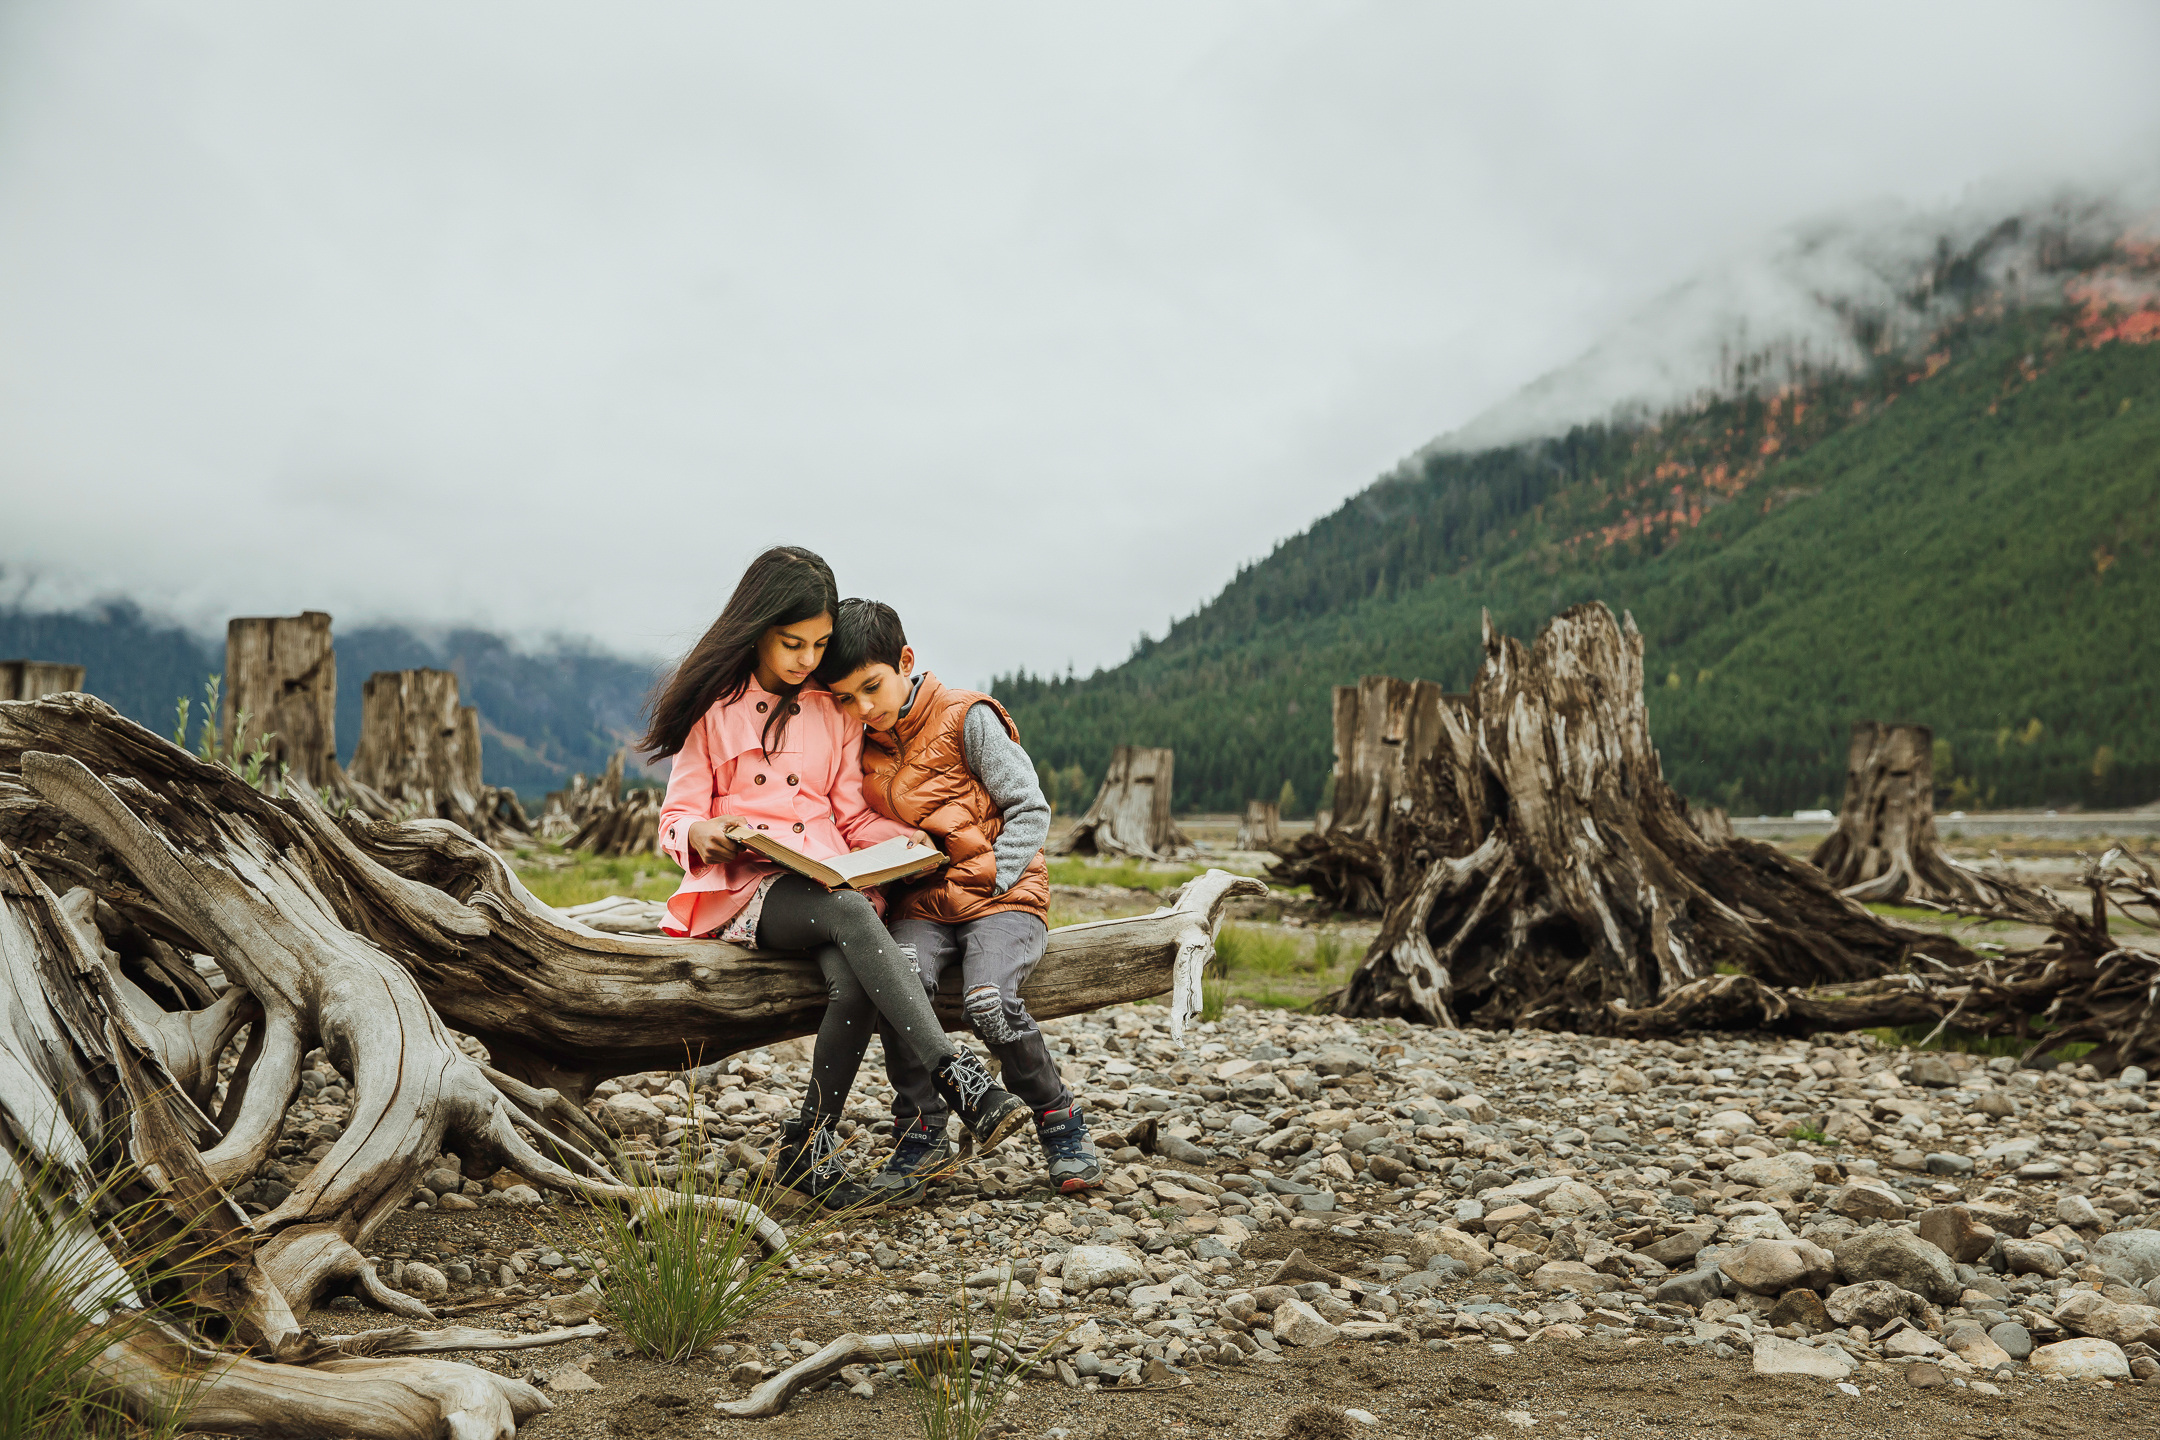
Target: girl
754,748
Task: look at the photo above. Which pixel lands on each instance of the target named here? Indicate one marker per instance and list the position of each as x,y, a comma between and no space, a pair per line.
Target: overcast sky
1037,321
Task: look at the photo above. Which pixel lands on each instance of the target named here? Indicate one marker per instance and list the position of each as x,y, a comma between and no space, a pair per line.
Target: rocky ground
1433,1233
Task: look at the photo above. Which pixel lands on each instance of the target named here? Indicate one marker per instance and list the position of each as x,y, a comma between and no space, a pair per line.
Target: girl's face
786,654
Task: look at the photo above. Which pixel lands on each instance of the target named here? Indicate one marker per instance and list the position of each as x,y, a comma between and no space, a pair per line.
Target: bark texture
1534,868
1885,848
419,750
1131,813
122,858
35,679
281,673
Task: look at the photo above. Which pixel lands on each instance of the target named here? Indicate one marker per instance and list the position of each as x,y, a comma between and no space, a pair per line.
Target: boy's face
875,693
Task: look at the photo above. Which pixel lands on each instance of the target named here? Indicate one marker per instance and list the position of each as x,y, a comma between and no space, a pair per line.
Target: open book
893,859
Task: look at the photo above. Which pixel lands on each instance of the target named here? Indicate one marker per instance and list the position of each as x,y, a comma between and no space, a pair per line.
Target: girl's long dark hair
784,585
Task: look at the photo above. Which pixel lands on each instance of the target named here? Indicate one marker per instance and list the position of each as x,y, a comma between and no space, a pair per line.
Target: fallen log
1536,869
1885,848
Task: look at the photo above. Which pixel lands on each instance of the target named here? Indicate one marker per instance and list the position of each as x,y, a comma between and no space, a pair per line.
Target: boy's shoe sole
1074,1184
1007,1125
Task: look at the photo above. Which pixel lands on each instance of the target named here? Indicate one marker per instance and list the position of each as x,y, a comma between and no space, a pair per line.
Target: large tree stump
1388,736
1541,872
122,855
420,750
281,672
1131,813
1261,826
1885,848
35,679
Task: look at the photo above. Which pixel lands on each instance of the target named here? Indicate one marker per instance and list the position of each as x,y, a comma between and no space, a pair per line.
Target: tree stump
1885,848
420,750
35,679
281,671
1131,813
1261,827
1389,739
1540,872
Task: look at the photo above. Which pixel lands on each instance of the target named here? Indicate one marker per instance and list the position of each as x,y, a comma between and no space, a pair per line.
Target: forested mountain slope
1964,535
544,714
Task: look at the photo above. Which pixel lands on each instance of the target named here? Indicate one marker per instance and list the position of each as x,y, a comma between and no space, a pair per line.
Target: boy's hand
708,839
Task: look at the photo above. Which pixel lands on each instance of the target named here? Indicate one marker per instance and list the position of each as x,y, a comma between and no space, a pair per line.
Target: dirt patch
1340,1253
1318,1422
659,1415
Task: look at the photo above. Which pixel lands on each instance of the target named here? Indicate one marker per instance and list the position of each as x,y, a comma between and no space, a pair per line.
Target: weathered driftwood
420,750
556,1004
1131,813
773,1394
1537,868
1885,848
2082,985
88,1102
35,679
602,817
357,936
1260,828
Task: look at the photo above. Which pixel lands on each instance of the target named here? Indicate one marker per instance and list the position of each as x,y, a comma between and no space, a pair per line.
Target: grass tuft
63,1302
959,1387
1130,874
680,1276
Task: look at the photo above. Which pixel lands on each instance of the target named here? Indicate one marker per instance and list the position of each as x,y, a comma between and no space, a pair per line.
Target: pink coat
808,794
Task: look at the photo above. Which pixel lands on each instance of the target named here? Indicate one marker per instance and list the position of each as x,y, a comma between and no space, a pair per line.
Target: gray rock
2138,1249
1884,1252
2032,1257
426,1281
1865,1200
1789,1357
1697,1288
1297,1323
1092,1267
1957,1232
1942,1162
1771,1267
1874,1304
443,1182
1933,1071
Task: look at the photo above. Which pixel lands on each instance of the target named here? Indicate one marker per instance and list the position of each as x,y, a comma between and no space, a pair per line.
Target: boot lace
970,1081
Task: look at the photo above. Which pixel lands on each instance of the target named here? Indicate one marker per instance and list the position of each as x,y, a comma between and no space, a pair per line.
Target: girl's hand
709,842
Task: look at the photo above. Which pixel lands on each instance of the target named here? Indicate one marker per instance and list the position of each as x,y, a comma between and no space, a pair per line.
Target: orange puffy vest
917,773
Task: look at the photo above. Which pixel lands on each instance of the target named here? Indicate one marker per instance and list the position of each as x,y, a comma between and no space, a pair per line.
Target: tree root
773,1394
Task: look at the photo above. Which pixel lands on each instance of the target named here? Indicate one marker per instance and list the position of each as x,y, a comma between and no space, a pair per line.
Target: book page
885,860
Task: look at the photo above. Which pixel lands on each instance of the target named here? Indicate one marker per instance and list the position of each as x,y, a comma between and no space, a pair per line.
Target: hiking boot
991,1114
1074,1165
921,1157
806,1164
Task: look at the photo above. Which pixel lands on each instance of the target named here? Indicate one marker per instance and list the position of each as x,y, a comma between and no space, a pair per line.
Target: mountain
1933,500
543,714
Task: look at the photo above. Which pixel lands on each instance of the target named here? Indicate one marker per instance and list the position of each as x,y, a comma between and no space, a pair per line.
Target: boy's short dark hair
865,632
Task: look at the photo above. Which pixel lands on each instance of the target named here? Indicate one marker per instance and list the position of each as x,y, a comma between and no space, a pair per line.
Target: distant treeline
1965,540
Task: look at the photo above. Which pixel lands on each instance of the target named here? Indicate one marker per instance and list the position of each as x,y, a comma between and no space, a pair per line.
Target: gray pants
996,954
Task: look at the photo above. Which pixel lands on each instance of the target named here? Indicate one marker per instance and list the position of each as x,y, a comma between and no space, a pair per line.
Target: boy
949,762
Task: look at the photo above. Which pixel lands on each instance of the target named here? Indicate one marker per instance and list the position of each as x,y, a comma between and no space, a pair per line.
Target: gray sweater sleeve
1006,772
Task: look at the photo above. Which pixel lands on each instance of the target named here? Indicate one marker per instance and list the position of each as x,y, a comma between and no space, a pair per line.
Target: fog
1037,323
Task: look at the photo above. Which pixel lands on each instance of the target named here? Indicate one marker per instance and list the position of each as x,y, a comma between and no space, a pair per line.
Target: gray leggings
866,976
